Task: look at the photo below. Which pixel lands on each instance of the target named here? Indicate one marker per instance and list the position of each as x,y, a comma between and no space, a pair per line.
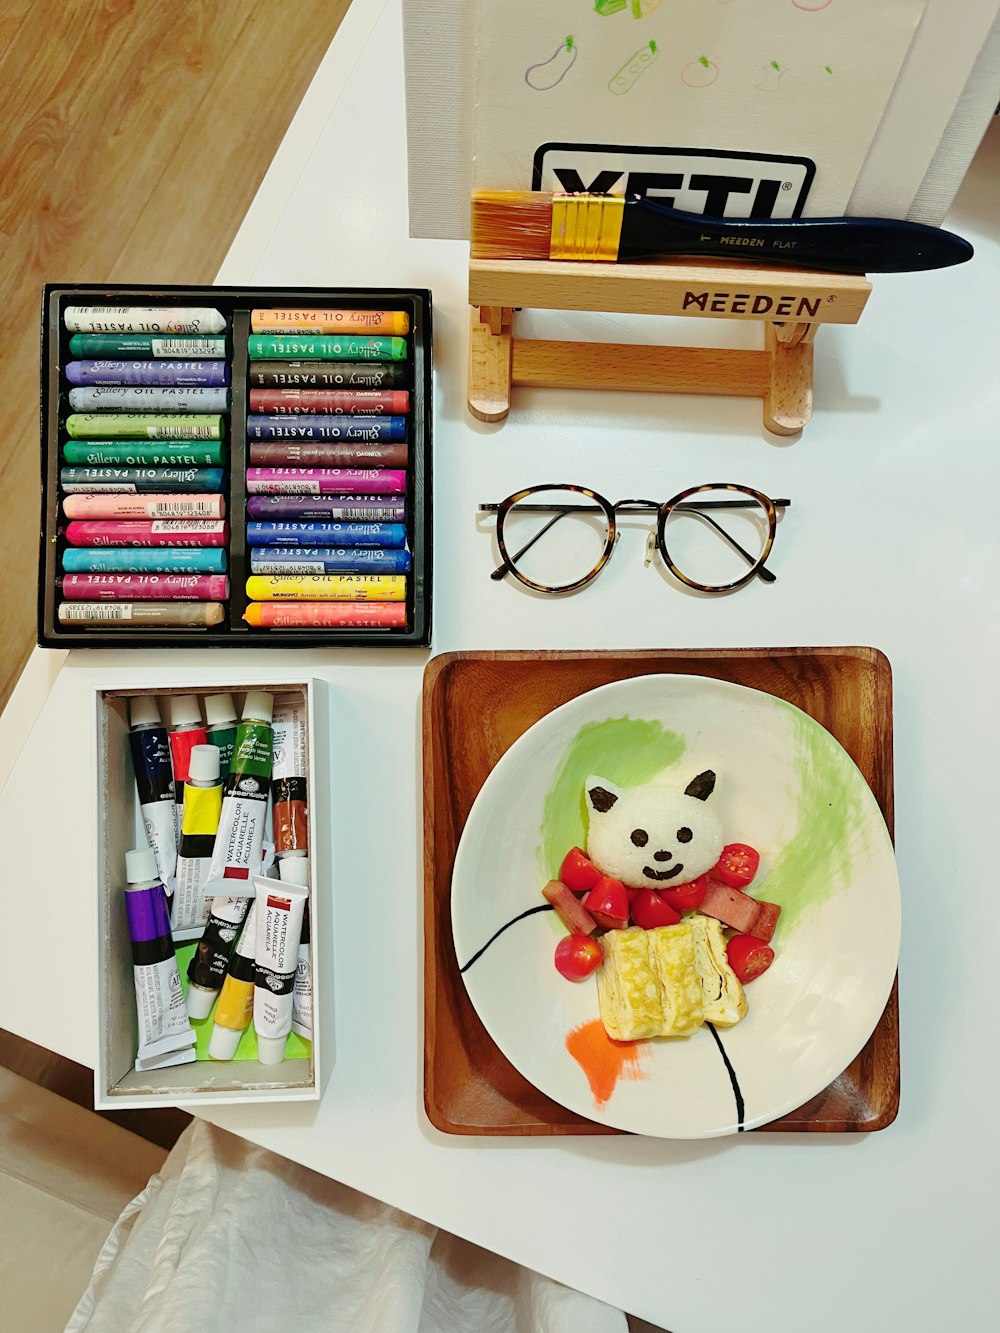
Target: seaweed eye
684,835
640,837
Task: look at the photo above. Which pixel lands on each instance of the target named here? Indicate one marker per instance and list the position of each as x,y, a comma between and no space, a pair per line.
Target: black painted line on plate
732,1079
542,907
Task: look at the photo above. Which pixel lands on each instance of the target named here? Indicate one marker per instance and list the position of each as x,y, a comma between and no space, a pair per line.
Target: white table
891,541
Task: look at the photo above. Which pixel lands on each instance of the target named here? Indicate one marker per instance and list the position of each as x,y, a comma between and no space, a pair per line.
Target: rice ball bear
653,837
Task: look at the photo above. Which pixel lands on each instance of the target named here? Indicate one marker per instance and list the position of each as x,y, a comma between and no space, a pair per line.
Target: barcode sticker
95,611
195,525
191,347
374,515
181,508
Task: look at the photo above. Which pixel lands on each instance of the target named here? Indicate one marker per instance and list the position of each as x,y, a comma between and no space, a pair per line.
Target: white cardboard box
118,825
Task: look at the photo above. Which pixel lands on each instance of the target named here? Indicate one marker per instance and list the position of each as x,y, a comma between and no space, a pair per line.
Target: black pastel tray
236,304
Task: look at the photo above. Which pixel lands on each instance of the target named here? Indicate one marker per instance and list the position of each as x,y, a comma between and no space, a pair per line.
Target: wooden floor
134,136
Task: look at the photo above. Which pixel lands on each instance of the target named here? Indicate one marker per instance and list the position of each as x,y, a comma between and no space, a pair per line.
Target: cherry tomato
737,865
577,956
748,957
607,903
688,896
650,909
578,872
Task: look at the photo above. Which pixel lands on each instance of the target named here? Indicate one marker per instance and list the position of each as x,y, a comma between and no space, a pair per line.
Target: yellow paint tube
199,826
234,1007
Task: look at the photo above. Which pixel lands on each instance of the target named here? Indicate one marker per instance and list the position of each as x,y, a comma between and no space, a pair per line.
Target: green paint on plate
296,1048
627,751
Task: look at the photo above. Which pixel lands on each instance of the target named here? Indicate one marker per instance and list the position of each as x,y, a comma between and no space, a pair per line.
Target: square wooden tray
475,706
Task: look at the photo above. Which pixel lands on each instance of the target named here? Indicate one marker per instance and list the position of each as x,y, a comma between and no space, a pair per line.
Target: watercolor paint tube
329,508
324,481
143,426
139,398
154,782
288,776
184,346
177,374
144,453
322,560
139,480
220,724
146,532
164,1030
295,870
207,969
328,374
330,402
234,1008
290,347
299,453
280,908
105,560
298,535
317,427
199,825
326,588
142,319
185,731
392,322
130,615
326,615
115,505
237,853
143,587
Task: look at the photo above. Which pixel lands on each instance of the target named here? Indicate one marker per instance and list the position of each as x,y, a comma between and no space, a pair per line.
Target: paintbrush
526,224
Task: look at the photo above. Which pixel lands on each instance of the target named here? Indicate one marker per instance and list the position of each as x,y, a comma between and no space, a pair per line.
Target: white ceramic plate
784,786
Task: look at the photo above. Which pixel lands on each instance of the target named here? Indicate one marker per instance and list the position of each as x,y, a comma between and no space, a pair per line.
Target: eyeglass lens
716,546
555,537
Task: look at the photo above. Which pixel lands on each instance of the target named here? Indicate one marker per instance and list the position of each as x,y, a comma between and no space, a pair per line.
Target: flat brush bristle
511,224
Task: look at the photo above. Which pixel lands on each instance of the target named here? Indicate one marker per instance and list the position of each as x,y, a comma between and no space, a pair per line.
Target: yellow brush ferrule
586,226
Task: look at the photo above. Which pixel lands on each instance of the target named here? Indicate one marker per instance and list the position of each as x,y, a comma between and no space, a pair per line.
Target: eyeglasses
714,538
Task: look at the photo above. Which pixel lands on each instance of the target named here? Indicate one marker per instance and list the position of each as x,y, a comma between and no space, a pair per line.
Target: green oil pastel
627,751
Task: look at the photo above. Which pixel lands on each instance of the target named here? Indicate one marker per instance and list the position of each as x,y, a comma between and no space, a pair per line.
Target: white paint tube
280,908
165,1035
295,870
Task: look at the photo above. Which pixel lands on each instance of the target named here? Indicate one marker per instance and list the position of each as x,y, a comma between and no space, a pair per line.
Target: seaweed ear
601,795
702,786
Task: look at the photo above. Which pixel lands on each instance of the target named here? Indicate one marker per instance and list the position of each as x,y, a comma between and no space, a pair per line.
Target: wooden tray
475,706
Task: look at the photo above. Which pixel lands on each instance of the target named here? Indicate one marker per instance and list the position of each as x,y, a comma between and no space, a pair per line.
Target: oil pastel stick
110,615
303,453
115,505
143,587
143,560
327,560
328,374
268,348
177,374
317,427
143,426
140,480
328,508
150,533
330,402
144,398
143,453
142,319
324,481
394,322
326,587
326,615
298,535
185,346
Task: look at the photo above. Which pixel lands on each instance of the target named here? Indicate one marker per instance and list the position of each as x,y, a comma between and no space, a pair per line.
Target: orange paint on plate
603,1060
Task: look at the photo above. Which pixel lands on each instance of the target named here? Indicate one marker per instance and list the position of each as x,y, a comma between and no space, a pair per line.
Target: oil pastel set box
242,467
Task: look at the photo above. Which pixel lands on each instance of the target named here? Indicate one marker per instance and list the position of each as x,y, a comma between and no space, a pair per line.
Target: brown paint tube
288,775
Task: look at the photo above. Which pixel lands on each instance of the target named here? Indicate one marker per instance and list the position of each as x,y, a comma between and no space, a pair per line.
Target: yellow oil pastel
327,588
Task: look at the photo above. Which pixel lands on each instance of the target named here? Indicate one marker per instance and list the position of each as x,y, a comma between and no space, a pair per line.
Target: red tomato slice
748,957
688,896
578,872
577,956
607,903
649,910
737,865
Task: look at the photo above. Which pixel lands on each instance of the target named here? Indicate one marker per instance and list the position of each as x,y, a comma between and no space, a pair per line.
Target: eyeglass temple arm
506,566
763,572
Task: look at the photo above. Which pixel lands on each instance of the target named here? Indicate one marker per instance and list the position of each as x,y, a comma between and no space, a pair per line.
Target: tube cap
223,1043
204,763
200,1001
270,1050
140,865
258,705
184,710
144,711
294,870
219,708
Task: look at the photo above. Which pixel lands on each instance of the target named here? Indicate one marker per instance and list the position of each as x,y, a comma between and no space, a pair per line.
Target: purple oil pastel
114,374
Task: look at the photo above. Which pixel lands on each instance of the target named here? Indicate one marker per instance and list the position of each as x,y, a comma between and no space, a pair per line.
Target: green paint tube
220,719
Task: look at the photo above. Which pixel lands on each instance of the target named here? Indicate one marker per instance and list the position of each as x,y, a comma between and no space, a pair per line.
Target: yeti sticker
653,837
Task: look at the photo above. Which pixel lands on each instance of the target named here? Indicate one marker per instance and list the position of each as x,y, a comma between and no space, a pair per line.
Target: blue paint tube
138,560
336,535
308,427
324,560
154,781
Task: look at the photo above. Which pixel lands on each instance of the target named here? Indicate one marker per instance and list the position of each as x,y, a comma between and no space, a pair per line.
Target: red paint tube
186,731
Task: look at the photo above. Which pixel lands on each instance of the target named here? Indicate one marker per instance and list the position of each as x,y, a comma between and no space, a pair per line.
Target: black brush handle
842,245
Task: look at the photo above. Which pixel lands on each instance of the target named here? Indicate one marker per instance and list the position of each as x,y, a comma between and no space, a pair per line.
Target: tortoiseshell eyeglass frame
663,511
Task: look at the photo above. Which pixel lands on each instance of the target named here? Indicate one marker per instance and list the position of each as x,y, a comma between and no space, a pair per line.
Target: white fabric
231,1236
